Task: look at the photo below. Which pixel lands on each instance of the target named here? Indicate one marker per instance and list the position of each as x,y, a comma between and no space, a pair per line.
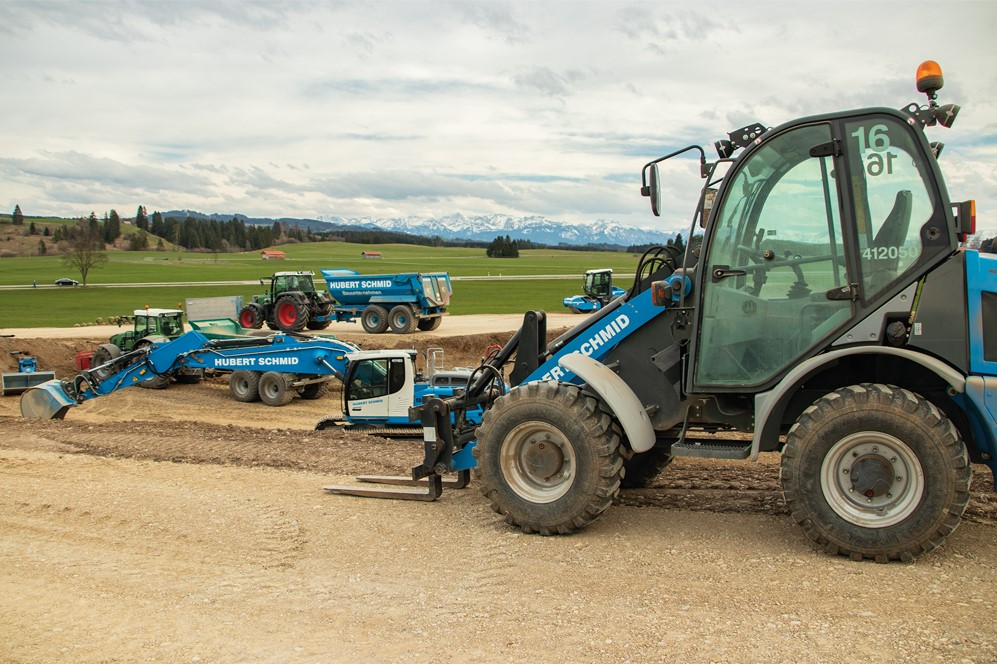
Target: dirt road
181,526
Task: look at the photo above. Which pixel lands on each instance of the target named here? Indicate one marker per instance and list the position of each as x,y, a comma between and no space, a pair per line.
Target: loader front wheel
875,471
374,319
244,385
548,458
275,388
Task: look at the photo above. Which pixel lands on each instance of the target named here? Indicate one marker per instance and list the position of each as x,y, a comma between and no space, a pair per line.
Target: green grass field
107,295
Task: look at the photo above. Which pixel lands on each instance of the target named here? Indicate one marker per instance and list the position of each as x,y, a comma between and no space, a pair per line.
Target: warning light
929,78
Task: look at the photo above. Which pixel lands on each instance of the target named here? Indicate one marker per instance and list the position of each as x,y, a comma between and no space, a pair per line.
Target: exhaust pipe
48,401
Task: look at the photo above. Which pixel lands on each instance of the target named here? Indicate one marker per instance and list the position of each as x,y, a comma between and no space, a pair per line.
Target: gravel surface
181,526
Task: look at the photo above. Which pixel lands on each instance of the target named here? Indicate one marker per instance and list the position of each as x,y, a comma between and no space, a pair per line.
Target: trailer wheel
429,324
313,391
275,388
645,466
548,458
401,319
291,315
244,385
374,319
251,316
875,471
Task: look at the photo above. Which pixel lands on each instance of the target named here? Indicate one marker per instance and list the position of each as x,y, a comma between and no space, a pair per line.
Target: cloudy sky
382,109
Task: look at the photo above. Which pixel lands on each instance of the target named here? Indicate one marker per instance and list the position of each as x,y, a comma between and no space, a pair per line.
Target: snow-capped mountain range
534,228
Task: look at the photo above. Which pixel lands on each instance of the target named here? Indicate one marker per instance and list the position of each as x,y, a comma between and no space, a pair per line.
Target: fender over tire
548,458
875,471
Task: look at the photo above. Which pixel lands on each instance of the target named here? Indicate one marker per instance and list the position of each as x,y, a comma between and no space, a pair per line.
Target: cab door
379,390
775,251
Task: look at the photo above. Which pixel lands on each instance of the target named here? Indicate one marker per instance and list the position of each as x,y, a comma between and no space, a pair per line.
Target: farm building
269,255
370,254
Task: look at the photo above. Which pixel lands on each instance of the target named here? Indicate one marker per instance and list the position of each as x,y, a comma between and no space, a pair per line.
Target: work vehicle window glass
396,375
892,199
775,250
370,379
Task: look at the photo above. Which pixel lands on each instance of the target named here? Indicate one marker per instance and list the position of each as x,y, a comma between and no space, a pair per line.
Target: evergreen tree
46,232
17,217
31,229
141,218
42,249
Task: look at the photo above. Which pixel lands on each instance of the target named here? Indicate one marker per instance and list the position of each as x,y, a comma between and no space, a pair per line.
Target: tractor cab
284,282
152,322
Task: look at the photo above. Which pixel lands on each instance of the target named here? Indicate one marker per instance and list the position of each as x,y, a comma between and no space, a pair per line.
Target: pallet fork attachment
439,460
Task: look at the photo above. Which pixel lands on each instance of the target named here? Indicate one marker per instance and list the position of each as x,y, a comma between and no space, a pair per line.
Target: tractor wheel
103,354
325,311
275,388
251,317
875,471
374,319
313,391
291,315
155,381
429,324
244,385
645,466
401,319
548,458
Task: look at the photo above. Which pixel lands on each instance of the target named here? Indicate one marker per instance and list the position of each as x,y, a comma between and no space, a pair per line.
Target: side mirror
654,182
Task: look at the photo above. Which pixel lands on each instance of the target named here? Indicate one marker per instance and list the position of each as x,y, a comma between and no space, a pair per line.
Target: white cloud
396,108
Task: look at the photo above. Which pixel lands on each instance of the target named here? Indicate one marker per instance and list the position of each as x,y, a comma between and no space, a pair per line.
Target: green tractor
148,326
290,304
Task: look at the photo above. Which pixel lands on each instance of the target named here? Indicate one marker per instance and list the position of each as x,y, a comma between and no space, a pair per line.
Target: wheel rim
872,479
538,462
270,389
287,314
248,319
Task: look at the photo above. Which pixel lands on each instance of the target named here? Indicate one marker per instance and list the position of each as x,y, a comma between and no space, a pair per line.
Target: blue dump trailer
402,302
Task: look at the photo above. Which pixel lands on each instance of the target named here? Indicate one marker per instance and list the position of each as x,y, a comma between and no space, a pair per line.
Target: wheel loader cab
815,225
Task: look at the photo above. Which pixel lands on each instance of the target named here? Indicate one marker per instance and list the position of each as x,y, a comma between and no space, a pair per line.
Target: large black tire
429,324
875,471
275,389
154,381
187,378
374,319
103,354
251,316
244,385
290,313
402,319
643,467
324,311
313,391
548,458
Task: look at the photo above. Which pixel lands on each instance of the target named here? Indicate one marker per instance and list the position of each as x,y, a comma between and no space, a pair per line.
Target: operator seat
893,232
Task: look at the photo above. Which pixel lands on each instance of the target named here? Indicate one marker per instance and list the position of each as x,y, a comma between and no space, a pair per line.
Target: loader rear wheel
429,324
548,458
401,319
244,385
251,317
875,471
275,388
374,319
291,315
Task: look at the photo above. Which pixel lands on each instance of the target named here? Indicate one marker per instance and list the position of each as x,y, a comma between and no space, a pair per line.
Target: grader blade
48,401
